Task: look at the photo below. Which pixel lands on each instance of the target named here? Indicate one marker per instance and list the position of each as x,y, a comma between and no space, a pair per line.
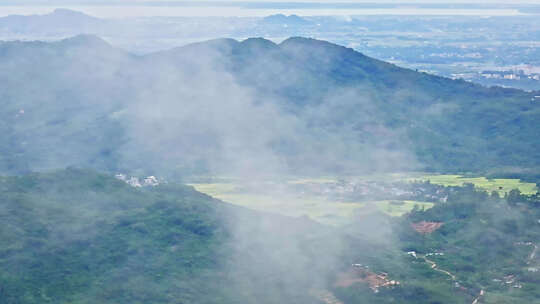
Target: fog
249,110
188,112
132,95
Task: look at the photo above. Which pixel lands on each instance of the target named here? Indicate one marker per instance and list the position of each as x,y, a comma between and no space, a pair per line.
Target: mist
188,112
248,110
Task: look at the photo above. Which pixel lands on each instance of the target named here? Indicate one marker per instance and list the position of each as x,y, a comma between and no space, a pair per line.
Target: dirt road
479,296
533,254
452,276
434,267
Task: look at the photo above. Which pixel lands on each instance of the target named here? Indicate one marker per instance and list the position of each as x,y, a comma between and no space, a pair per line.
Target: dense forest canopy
77,236
303,106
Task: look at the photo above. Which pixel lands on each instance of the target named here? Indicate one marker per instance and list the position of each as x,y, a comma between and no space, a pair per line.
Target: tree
495,195
514,196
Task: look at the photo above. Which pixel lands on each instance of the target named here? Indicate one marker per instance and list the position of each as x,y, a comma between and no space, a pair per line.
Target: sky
139,2
235,8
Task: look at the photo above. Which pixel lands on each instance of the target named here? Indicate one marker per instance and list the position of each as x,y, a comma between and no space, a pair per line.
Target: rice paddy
327,212
319,209
267,197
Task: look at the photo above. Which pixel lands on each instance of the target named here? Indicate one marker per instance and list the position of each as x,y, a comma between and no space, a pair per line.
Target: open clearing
333,213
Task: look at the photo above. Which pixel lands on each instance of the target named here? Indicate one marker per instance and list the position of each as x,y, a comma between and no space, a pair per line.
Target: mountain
78,236
280,19
302,106
51,102
58,20
451,124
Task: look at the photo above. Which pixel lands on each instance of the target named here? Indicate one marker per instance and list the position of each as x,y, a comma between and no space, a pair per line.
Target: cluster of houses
374,190
137,182
413,254
529,72
509,75
510,280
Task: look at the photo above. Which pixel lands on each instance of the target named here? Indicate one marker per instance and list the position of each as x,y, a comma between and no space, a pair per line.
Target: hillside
486,244
447,124
302,106
77,236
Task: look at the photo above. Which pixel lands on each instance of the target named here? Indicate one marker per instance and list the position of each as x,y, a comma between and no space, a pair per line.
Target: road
452,276
434,267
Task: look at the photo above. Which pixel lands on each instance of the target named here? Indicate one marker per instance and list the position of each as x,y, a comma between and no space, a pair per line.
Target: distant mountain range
59,19
281,19
302,106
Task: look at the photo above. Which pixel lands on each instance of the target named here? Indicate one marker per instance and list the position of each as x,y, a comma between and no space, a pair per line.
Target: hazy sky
138,2
140,8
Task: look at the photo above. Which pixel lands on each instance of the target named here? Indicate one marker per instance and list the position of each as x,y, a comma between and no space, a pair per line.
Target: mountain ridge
324,92
59,18
91,40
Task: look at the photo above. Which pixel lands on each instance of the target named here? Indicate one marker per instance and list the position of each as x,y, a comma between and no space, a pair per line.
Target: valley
336,200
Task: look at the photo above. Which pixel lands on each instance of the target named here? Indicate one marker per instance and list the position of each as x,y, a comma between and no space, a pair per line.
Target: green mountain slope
450,125
304,104
76,236
81,237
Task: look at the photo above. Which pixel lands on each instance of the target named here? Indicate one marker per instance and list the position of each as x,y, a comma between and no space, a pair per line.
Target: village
137,182
353,191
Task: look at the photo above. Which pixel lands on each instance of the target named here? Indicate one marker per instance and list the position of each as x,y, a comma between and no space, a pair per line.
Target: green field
501,185
327,211
324,211
319,209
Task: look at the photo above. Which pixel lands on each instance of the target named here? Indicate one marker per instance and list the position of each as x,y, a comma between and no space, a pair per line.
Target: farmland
286,204
287,199
335,201
501,185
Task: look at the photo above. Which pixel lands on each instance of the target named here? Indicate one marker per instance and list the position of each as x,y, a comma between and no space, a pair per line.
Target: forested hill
451,124
76,236
304,104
